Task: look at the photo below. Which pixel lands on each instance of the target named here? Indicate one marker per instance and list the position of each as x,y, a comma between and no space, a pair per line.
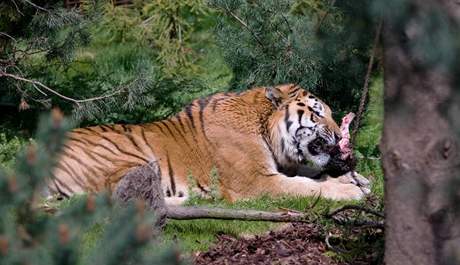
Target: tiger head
302,130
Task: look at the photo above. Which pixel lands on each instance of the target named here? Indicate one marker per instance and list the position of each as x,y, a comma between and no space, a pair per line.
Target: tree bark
419,147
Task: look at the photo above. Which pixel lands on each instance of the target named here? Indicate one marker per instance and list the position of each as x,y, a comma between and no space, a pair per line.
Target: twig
355,207
9,36
366,83
17,8
76,101
331,247
245,26
289,210
36,6
367,224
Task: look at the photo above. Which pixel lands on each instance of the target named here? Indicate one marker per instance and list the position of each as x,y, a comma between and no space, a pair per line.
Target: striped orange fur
252,138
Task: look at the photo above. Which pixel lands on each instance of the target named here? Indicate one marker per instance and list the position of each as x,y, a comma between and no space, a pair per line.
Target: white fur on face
299,126
299,130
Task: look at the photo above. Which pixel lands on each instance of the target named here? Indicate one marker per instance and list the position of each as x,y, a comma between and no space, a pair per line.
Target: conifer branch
36,6
36,83
17,7
9,36
245,25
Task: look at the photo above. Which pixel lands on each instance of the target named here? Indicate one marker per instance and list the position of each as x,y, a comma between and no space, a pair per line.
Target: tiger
259,142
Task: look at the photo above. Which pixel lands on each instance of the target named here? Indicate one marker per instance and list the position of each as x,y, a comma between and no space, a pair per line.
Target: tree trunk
419,146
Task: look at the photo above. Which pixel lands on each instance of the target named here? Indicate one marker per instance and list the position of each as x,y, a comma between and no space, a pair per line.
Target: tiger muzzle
336,165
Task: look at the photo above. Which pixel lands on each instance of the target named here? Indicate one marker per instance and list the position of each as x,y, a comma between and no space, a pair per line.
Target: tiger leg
326,187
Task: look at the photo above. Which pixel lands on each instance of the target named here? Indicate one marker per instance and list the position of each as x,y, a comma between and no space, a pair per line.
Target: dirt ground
296,244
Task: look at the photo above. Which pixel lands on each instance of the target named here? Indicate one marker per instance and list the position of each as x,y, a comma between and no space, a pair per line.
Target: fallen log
188,213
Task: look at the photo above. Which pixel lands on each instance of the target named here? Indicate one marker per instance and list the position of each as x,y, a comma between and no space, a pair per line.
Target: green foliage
368,139
8,150
112,64
30,236
306,42
214,185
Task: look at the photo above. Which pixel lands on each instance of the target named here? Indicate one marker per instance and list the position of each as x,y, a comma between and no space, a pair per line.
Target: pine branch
76,101
245,25
36,6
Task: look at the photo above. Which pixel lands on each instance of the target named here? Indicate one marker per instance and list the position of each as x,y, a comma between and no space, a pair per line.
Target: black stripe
86,141
314,111
300,113
293,92
169,130
70,168
188,111
115,129
175,128
286,118
114,144
103,128
123,151
108,127
59,190
131,139
179,119
171,175
64,168
312,118
146,142
64,185
126,128
203,103
87,152
79,131
90,129
283,145
201,187
89,178
215,102
159,127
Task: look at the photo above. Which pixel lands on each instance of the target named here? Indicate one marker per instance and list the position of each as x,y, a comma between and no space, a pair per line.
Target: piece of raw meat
344,143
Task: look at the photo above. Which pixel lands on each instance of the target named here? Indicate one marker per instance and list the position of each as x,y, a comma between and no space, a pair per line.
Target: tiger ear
274,95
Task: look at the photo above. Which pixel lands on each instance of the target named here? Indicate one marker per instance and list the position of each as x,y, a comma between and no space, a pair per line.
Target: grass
368,139
197,235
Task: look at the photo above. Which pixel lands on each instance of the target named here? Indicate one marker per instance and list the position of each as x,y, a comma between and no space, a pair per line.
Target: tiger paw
343,191
356,179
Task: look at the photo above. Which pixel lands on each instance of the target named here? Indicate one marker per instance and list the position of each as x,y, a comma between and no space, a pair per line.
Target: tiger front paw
347,187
